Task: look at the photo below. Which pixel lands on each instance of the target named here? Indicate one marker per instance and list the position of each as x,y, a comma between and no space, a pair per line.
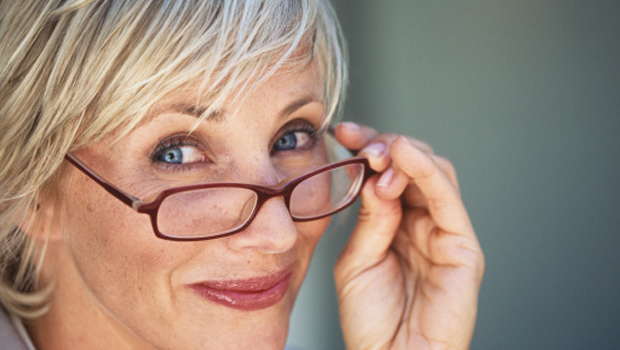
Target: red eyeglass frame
263,194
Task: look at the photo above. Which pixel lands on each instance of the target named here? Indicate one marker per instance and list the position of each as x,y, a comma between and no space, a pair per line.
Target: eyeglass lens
215,211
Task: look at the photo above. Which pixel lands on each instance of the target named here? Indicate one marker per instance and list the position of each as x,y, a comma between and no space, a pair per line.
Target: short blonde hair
73,71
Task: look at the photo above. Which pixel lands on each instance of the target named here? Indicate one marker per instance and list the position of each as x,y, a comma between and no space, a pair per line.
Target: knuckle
446,166
445,163
427,172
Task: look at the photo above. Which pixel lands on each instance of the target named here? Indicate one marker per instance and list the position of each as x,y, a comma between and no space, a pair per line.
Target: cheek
310,232
114,248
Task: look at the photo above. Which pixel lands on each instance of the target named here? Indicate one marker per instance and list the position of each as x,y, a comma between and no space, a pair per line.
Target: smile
246,294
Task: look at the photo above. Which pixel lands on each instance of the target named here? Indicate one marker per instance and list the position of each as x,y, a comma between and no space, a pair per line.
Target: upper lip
248,285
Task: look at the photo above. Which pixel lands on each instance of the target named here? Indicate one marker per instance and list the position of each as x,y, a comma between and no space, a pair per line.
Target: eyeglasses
213,210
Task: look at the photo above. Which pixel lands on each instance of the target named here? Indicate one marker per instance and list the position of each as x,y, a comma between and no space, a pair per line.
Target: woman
167,174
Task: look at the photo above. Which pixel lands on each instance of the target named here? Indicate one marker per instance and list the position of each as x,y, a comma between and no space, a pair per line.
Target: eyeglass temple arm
126,198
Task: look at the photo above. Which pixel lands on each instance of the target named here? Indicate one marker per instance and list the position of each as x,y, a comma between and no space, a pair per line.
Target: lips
246,294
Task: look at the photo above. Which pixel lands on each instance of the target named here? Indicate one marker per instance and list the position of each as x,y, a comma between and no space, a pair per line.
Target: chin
216,325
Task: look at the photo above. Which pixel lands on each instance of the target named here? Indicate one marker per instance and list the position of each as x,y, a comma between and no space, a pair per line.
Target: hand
410,274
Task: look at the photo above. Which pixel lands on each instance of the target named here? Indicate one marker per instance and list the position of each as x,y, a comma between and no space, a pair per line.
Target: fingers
423,181
409,168
377,225
412,177
446,166
354,136
373,145
412,196
439,191
376,148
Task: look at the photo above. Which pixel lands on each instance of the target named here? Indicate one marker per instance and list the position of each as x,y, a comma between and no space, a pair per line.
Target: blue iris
286,142
171,156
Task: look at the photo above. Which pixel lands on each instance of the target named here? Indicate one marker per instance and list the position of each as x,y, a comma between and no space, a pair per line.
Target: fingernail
351,126
386,178
375,149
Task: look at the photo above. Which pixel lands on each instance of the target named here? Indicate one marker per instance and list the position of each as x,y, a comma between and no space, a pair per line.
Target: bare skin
413,259
408,278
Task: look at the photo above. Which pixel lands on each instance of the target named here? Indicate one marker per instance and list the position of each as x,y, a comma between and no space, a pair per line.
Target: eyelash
312,132
175,141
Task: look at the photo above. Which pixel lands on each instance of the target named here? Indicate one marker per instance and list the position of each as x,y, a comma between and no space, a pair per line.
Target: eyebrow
219,115
198,111
297,104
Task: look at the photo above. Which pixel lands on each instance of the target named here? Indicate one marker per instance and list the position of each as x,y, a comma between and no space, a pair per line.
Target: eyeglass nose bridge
265,194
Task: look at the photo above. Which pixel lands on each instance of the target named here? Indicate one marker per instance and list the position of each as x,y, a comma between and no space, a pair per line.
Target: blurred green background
524,97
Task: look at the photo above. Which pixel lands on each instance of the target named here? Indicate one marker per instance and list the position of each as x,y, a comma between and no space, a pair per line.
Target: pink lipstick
246,294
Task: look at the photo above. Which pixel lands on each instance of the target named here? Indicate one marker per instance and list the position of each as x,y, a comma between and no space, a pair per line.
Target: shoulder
10,339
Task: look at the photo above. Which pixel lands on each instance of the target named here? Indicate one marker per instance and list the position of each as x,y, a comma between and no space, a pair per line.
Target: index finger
354,136
442,197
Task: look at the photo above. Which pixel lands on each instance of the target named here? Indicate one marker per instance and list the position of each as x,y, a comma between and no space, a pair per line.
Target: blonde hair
73,71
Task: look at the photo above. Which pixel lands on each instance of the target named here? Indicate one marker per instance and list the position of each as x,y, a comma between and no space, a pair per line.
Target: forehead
292,87
296,83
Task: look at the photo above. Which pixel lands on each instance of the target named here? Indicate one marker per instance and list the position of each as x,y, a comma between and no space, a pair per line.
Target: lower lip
244,295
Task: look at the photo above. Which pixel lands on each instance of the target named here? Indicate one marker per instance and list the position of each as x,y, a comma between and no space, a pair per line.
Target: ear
42,221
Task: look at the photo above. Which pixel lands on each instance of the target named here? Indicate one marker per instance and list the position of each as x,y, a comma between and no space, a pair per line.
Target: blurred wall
524,97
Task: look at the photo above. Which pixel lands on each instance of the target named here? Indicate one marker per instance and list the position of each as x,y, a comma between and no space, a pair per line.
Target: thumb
378,221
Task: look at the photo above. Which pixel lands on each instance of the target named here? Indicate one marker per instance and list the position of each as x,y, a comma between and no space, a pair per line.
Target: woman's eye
180,155
292,140
178,151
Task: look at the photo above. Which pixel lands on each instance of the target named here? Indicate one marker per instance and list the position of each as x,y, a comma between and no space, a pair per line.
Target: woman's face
231,292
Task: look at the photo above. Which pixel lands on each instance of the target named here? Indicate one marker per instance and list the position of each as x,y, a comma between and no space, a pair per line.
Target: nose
272,231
